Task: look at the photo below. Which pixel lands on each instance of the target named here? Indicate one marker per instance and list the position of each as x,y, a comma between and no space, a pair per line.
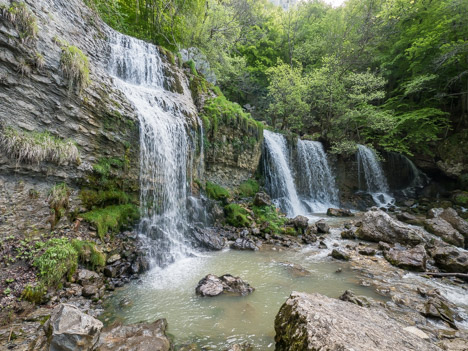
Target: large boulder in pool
136,337
213,285
379,226
316,322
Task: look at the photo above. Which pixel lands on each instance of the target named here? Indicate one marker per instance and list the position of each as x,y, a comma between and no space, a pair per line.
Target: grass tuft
23,19
88,254
248,188
75,65
36,147
216,192
112,218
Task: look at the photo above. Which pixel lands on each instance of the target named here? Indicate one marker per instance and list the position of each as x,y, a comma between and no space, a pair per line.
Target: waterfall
403,175
166,146
375,181
279,178
316,182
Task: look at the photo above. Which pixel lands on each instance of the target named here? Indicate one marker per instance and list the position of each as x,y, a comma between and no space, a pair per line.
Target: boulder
244,244
452,217
315,322
339,212
348,234
443,229
408,218
213,285
449,258
69,329
379,226
299,222
367,251
262,199
340,255
322,226
208,238
136,337
362,301
86,277
413,259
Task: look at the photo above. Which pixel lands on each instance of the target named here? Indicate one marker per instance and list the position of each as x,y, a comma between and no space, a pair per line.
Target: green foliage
101,198
23,19
88,254
37,147
270,218
248,188
34,294
112,218
237,216
216,192
59,260
75,66
192,67
105,165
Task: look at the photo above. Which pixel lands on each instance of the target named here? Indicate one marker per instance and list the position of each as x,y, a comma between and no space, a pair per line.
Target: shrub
23,19
237,216
269,215
216,192
39,60
88,254
111,217
75,65
36,147
248,188
59,259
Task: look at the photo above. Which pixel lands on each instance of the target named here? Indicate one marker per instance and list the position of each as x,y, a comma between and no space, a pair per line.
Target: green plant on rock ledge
237,216
248,188
112,218
75,65
34,294
270,219
89,254
36,147
216,192
23,19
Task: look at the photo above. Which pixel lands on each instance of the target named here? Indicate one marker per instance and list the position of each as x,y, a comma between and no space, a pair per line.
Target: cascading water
279,178
315,180
370,169
166,147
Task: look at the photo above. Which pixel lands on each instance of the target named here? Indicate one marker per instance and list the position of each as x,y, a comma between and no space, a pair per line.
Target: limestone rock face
315,322
379,226
72,330
212,285
136,337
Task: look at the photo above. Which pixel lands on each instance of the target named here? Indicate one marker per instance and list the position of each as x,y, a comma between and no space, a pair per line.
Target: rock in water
411,259
208,238
136,337
72,330
339,212
339,254
315,322
322,226
244,244
379,226
213,285
299,222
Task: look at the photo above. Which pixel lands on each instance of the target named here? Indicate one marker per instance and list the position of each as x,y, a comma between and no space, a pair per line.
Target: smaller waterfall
315,180
403,176
279,179
370,169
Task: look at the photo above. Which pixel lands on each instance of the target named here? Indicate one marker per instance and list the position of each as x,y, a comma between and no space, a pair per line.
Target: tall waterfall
301,184
166,147
315,180
370,169
279,178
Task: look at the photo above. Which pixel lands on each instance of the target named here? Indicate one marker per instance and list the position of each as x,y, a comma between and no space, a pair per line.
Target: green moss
248,188
112,218
269,218
216,192
88,254
461,199
105,164
75,65
193,69
101,198
34,294
59,259
237,216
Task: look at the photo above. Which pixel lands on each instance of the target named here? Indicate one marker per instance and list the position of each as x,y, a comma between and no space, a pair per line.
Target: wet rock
114,258
136,337
208,238
322,226
90,291
111,271
348,234
309,238
322,245
367,251
362,301
86,277
443,229
262,199
69,329
296,269
340,255
409,218
449,258
379,226
315,322
212,285
299,222
451,216
339,212
244,244
437,307
413,259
